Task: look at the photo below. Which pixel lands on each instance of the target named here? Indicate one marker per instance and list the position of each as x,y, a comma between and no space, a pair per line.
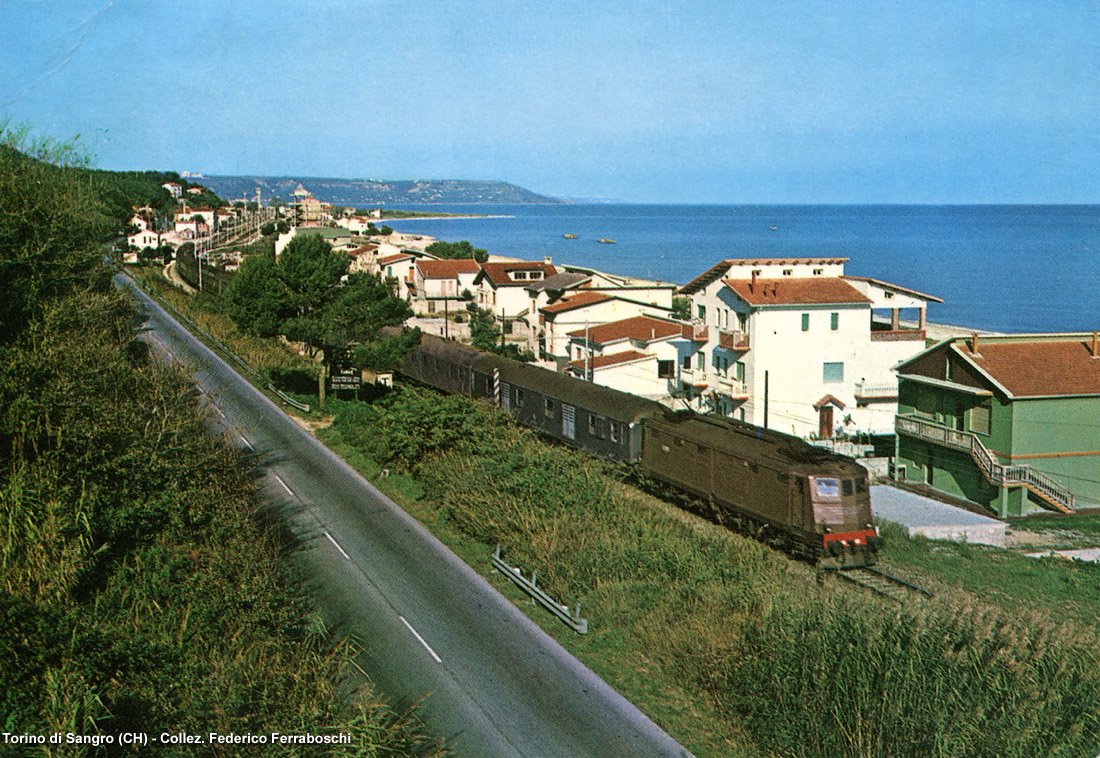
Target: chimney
752,284
1095,346
974,344
547,261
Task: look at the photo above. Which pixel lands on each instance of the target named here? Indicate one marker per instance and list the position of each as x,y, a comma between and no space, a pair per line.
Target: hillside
368,192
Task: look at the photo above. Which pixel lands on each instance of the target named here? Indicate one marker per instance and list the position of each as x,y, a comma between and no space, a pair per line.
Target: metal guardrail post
530,586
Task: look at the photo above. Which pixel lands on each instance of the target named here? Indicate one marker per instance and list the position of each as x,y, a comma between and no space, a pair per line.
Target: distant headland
372,192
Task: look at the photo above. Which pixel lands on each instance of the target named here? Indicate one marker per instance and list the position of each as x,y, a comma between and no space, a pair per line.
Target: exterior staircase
1043,486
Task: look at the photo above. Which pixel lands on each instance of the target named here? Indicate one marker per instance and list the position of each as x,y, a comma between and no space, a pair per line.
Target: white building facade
799,343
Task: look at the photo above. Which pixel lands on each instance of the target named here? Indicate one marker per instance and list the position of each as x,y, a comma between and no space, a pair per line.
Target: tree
681,308
267,229
306,297
454,250
484,332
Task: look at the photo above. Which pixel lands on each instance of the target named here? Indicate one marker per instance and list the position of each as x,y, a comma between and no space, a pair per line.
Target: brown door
825,422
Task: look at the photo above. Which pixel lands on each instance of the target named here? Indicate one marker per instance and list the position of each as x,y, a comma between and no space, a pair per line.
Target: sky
649,101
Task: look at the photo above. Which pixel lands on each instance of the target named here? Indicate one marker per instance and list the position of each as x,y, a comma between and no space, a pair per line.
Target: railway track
882,583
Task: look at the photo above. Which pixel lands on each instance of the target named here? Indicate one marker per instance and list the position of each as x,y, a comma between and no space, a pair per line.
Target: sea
1011,268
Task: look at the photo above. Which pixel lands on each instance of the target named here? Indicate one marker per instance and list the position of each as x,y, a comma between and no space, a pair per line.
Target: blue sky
646,101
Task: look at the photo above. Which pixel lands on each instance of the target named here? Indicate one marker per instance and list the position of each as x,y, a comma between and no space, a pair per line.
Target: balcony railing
696,331
694,377
898,335
730,387
865,391
733,340
997,473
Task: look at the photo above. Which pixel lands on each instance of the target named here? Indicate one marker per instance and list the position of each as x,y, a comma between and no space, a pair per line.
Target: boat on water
606,241
570,236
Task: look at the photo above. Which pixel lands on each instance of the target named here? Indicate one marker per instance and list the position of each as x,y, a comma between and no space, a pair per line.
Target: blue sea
1004,268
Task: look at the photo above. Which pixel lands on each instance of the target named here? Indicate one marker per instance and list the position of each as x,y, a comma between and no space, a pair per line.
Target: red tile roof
579,300
639,328
395,258
1040,367
497,272
796,291
603,361
447,269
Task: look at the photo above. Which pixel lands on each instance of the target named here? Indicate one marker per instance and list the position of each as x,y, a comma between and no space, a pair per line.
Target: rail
530,586
882,583
999,474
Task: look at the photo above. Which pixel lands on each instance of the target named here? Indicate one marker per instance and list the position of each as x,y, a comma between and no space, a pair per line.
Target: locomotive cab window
549,407
861,485
846,487
829,488
614,432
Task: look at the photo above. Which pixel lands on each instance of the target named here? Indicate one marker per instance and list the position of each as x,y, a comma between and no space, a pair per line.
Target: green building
1011,423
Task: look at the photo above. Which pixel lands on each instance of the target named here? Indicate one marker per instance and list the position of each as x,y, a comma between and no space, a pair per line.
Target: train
803,499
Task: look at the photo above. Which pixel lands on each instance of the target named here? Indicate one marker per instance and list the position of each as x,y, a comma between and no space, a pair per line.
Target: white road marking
279,479
337,544
421,639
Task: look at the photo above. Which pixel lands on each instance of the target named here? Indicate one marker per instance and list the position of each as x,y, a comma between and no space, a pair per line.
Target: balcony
897,335
694,378
696,331
866,393
731,388
733,340
999,474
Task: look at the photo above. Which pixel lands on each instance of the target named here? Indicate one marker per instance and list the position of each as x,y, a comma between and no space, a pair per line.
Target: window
519,397
686,363
666,369
833,372
739,371
818,272
549,408
700,360
517,275
615,432
887,295
805,322
846,487
592,424
788,272
431,306
981,417
834,321
535,275
701,312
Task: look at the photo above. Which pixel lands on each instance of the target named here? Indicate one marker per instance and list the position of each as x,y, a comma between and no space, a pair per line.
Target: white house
502,285
402,269
580,309
174,189
803,339
639,355
439,284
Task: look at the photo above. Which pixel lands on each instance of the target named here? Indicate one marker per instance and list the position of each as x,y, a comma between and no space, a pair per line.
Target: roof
894,287
578,300
395,258
603,361
639,328
560,281
797,291
720,269
497,272
1037,368
447,269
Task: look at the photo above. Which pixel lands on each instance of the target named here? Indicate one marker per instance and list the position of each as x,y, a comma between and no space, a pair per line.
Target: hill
369,192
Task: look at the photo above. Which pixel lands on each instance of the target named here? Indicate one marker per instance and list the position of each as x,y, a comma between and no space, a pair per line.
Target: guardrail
304,407
530,586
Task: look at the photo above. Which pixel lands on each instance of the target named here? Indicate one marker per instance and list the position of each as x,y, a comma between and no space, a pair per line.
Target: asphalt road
434,631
